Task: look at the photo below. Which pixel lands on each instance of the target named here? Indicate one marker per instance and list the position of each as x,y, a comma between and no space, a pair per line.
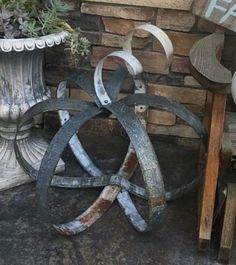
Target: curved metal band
158,33
170,106
149,167
154,101
133,65
123,197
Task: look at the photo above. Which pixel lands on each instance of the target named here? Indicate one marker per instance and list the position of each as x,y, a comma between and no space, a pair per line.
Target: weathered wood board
220,12
211,170
228,228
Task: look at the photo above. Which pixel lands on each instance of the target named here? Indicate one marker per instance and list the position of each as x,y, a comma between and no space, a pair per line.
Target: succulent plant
34,18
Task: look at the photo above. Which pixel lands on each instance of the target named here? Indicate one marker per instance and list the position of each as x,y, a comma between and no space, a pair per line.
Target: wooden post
206,68
211,170
228,227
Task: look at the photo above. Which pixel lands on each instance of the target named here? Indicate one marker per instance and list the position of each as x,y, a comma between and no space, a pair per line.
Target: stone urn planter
22,85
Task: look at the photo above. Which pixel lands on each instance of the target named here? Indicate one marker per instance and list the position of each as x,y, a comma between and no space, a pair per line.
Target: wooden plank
170,4
220,12
211,170
228,228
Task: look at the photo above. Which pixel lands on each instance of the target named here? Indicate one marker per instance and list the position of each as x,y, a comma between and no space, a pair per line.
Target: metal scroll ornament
117,186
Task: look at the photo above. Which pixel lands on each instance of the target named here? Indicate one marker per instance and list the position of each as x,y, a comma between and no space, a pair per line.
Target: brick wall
106,22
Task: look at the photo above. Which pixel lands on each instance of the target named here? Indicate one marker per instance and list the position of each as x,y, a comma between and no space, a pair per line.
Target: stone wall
106,22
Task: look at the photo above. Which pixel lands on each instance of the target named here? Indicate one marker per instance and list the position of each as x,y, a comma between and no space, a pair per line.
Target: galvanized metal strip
53,154
44,106
170,106
113,84
157,33
104,180
127,169
61,104
140,108
74,143
132,63
148,164
109,194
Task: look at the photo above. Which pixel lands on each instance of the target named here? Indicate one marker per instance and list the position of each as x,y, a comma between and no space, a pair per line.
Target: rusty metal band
46,171
123,197
63,104
149,165
127,169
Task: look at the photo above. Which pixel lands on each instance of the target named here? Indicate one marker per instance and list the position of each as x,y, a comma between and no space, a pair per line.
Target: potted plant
27,27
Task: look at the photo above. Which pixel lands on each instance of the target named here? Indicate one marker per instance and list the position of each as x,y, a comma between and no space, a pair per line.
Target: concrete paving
25,240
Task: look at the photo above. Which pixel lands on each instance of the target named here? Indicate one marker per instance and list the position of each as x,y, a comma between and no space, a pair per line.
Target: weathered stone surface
175,20
180,94
205,26
93,37
196,109
71,4
173,79
180,130
153,62
123,26
228,53
81,94
161,117
83,21
103,127
128,12
113,40
180,65
190,81
170,4
57,73
182,42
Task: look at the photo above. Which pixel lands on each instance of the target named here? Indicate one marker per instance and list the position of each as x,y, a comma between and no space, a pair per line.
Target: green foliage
34,18
25,18
77,45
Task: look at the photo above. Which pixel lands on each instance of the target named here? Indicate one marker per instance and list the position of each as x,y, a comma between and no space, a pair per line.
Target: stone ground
24,240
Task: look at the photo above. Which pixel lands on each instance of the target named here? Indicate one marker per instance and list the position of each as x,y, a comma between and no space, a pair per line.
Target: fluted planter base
22,85
33,149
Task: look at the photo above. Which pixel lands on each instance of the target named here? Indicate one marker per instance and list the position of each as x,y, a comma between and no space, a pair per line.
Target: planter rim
19,45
